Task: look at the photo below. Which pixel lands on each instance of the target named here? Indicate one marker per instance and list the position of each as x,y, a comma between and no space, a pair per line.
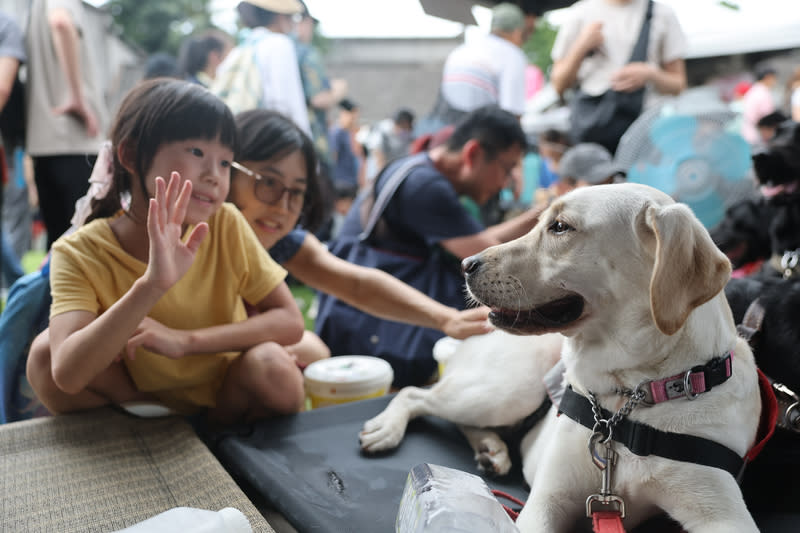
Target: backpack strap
387,191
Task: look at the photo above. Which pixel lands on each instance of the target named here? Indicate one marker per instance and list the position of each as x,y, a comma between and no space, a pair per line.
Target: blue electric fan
698,158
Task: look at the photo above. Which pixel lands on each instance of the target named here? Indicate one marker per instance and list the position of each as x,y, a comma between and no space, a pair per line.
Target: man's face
488,175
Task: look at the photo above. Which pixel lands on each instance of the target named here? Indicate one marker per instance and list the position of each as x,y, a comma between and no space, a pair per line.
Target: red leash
511,512
607,522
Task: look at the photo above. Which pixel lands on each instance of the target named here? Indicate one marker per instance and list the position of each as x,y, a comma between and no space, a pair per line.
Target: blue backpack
25,316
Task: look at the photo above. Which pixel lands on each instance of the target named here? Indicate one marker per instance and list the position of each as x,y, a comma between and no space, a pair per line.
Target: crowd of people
238,165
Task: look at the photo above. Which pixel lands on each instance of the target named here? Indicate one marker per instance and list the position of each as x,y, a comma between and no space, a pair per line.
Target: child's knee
278,377
38,368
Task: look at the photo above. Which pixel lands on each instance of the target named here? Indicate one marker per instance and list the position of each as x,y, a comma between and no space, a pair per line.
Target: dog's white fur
651,281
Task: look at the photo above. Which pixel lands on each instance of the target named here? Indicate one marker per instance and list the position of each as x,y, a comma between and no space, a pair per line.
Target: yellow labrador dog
628,285
634,283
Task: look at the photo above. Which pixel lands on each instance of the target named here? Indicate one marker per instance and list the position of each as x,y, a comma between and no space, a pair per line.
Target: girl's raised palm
170,258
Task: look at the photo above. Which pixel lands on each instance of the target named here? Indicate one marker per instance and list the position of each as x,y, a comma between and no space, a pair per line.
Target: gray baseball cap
588,162
507,17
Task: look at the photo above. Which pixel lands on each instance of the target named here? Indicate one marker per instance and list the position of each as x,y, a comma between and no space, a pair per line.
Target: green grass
304,296
30,262
32,259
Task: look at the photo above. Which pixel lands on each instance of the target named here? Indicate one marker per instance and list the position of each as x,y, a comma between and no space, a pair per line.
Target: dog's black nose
470,265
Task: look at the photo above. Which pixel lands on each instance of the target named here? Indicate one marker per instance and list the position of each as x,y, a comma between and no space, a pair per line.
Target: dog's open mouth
552,316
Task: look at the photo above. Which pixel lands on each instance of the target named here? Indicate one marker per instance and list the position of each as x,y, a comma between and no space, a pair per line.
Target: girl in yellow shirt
148,295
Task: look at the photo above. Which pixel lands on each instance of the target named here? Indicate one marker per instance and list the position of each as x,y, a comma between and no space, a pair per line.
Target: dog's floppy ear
689,269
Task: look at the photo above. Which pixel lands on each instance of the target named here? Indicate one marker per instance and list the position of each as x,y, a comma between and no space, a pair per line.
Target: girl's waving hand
170,258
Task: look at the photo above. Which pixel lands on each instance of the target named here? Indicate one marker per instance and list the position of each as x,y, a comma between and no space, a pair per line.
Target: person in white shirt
490,69
270,21
593,47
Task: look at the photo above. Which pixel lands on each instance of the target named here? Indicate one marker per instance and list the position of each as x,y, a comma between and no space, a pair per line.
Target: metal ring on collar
790,259
792,416
687,386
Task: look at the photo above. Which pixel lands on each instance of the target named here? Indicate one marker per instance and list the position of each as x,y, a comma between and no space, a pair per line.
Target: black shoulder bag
603,119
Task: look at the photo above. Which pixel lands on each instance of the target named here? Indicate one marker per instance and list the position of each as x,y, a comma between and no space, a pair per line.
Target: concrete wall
385,74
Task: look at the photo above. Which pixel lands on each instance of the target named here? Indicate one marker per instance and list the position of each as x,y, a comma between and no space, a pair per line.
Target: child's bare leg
263,381
113,385
309,349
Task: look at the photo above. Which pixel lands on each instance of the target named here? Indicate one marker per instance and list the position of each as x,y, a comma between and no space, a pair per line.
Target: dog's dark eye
559,227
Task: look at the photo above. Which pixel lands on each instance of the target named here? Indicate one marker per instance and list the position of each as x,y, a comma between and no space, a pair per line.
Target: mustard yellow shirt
89,271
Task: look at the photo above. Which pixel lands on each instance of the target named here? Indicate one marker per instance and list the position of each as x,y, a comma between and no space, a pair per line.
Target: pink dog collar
689,384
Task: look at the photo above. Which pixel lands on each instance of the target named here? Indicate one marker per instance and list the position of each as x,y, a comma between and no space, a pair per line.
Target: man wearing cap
490,69
589,164
270,21
581,165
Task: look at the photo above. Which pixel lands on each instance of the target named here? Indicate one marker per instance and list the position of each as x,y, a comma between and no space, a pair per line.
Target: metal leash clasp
789,263
605,463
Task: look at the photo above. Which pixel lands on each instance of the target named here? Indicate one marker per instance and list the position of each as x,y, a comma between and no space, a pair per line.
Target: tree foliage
538,47
159,25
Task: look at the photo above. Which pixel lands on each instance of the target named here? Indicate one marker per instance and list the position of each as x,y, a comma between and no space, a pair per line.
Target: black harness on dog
519,430
644,440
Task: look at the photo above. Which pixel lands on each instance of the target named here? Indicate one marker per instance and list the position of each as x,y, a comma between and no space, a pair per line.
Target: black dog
768,228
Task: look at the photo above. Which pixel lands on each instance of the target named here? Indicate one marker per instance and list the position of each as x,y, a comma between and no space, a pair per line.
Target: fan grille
693,174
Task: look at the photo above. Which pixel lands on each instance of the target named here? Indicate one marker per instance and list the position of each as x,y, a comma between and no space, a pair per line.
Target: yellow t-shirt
89,271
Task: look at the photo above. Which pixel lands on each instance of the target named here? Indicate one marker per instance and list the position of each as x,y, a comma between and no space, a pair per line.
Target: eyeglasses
270,190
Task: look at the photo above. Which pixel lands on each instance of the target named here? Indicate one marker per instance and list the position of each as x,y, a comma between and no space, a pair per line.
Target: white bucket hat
284,7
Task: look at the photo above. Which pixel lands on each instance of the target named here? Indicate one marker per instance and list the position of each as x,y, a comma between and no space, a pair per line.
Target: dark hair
404,115
161,65
347,104
266,135
553,135
254,16
772,120
763,71
153,113
495,130
193,55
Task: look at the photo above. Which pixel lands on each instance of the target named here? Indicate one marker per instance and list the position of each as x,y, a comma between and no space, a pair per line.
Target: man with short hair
395,137
425,231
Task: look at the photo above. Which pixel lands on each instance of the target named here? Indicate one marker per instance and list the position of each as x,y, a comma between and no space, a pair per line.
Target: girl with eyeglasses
275,185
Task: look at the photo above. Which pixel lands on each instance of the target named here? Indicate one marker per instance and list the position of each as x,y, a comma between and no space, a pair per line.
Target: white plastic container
189,519
346,378
443,349
438,499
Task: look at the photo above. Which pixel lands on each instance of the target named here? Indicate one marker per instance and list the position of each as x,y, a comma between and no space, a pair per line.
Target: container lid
349,369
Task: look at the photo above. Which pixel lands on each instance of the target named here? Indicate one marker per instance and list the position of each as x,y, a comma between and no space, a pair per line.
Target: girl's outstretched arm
381,294
83,345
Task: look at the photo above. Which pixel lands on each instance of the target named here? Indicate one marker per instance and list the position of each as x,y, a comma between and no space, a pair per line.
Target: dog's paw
381,433
492,456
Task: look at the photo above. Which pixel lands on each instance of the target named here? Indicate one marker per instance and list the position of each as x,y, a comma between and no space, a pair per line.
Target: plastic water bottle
437,499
